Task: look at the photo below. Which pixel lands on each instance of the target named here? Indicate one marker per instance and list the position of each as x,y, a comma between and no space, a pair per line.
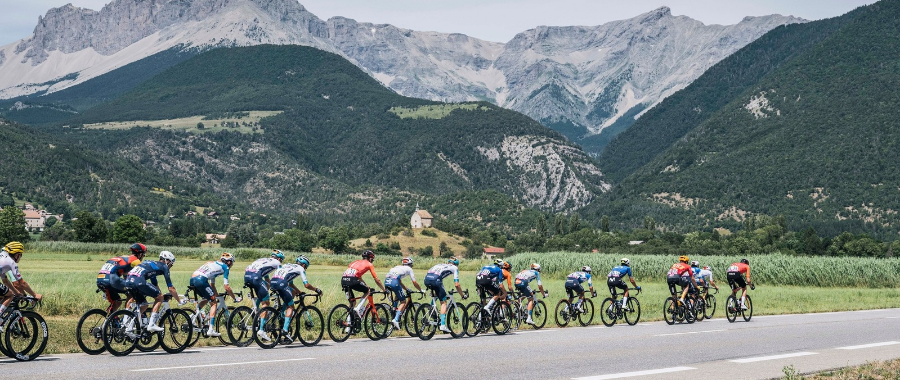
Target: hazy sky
493,20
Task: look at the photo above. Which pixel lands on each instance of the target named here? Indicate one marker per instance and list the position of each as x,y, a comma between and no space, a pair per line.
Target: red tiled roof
494,250
424,214
32,214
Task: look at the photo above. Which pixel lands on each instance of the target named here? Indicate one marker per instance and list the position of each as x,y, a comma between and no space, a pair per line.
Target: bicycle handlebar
301,297
464,293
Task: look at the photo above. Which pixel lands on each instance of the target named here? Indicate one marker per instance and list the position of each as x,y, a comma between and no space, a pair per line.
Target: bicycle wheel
699,309
633,311
688,310
240,326
199,330
670,310
177,331
539,314
274,320
731,308
378,322
115,339
502,318
26,337
585,318
222,321
747,314
710,301
456,319
517,317
563,313
427,321
473,326
88,333
147,342
339,323
408,319
309,326
608,312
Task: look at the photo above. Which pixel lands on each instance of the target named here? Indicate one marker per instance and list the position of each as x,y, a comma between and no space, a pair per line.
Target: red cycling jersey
680,269
359,267
738,268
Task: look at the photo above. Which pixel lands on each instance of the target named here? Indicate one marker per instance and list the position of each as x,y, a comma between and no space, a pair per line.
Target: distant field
433,111
246,124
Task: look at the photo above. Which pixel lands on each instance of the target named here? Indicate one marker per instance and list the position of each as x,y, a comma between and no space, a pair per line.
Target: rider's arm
590,282
632,281
9,285
375,276
456,281
416,284
748,275
306,282
23,286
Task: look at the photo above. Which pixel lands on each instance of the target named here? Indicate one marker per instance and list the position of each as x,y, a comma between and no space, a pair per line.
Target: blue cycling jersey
620,272
492,272
149,270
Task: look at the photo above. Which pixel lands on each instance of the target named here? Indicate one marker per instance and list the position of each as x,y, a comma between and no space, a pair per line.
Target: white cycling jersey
444,270
9,266
527,276
263,266
705,275
289,272
399,271
211,270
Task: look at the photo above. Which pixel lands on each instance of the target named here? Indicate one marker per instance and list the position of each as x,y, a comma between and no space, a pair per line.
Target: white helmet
166,255
625,261
586,269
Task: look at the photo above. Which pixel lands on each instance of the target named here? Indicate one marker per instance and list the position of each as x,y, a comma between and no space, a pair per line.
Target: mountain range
587,82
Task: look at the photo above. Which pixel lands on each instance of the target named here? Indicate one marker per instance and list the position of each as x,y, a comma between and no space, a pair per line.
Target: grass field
416,241
68,283
889,369
189,124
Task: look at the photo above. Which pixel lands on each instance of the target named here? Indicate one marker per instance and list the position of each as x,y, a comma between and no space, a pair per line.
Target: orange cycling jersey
680,269
508,278
738,268
359,267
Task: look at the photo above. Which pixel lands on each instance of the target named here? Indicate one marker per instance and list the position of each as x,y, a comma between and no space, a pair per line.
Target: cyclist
434,281
352,280
110,279
737,281
9,263
393,280
573,285
490,280
204,282
704,278
256,277
682,275
138,285
283,283
522,280
615,280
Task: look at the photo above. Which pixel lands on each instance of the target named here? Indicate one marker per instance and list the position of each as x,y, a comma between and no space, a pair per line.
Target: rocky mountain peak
655,15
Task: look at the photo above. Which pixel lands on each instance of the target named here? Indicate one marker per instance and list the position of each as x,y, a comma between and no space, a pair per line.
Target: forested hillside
816,140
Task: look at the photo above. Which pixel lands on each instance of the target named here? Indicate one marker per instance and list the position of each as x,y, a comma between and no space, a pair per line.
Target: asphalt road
757,349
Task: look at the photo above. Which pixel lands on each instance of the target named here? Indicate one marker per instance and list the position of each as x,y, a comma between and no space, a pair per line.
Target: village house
491,252
35,219
215,238
420,218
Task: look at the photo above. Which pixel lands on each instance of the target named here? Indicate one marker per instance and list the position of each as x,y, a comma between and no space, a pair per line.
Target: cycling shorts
283,288
258,284
574,288
616,283
202,288
488,285
112,294
736,280
139,288
3,289
677,281
350,283
436,286
395,287
525,290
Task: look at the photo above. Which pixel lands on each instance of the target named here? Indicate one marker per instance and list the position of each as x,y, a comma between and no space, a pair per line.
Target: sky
492,20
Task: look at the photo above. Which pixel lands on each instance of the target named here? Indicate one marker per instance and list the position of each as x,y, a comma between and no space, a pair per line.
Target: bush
429,232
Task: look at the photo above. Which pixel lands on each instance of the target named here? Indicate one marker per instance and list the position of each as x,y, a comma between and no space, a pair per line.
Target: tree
542,226
128,229
51,221
242,233
88,228
574,223
444,250
334,239
604,223
200,125
12,226
56,232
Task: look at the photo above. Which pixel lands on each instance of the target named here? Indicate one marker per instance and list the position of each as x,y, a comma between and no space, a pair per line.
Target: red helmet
138,249
368,255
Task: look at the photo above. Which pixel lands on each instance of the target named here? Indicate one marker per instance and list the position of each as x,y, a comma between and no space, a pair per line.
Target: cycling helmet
226,257
368,255
14,247
536,267
745,261
453,260
625,261
507,265
695,263
706,267
166,255
683,259
498,262
276,254
302,260
138,249
586,269
408,261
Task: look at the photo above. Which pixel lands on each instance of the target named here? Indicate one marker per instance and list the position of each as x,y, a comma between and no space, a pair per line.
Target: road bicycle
520,310
240,324
611,309
428,316
733,307
344,321
709,304
676,311
566,311
89,332
499,317
200,317
308,326
24,331
408,315
475,326
125,329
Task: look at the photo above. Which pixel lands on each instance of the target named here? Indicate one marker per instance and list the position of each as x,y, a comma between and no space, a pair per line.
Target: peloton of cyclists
393,280
735,274
283,283
256,277
615,280
573,286
204,282
110,279
522,280
434,281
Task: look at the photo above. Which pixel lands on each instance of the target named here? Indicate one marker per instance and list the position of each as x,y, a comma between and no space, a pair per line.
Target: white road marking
891,343
531,332
225,348
891,317
773,357
218,365
690,332
636,373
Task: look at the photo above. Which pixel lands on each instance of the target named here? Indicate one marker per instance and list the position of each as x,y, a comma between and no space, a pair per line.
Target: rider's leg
288,313
212,312
625,297
443,313
154,317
